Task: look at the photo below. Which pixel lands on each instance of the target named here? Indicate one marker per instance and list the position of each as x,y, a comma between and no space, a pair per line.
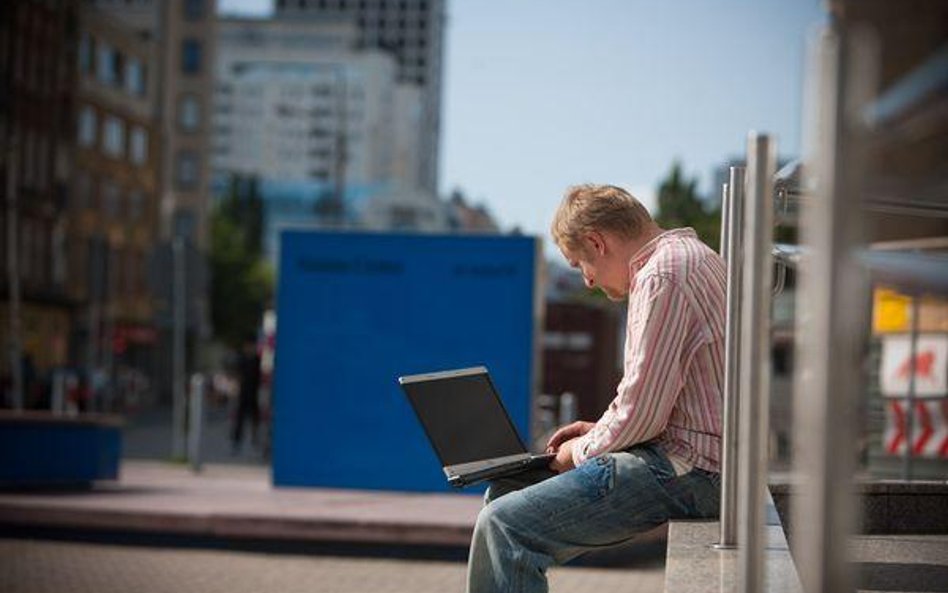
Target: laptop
468,426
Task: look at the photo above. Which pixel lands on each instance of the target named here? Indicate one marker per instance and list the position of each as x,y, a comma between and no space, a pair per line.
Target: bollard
196,420
567,408
732,243
753,409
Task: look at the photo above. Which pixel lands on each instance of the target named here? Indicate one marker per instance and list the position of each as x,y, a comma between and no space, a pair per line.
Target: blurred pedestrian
248,408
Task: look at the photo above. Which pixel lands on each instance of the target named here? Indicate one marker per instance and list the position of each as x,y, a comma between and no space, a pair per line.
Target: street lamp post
13,276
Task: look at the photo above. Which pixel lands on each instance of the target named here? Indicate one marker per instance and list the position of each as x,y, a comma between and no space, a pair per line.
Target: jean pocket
587,484
600,473
656,462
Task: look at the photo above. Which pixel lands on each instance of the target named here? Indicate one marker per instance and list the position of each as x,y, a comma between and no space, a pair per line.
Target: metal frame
831,325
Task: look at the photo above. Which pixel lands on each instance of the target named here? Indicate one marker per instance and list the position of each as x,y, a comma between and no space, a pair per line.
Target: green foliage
241,280
680,206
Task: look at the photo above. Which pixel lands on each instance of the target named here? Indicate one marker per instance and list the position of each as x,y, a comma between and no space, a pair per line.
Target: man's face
601,265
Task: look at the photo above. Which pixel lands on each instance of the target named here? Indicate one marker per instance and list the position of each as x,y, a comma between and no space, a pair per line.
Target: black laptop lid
462,415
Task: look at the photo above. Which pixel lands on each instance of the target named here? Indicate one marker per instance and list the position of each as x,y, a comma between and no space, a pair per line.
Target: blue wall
356,311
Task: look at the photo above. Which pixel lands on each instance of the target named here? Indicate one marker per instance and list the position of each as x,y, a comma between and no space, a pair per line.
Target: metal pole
567,408
725,217
13,276
341,147
831,317
178,353
195,420
734,217
58,399
755,361
910,401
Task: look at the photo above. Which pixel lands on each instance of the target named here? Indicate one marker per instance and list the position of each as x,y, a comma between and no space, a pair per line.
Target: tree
241,280
243,205
680,206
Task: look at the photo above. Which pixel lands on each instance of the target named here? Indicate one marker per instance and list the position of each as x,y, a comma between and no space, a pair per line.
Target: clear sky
543,94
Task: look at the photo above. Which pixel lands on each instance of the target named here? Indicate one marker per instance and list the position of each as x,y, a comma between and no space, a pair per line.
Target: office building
410,30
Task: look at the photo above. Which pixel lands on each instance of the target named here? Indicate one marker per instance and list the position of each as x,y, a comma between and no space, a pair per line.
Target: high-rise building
323,124
296,102
412,31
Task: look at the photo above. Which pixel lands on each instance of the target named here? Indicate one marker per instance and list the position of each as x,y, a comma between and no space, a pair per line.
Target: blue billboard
356,311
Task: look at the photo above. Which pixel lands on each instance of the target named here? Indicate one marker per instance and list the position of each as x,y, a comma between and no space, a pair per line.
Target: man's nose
589,282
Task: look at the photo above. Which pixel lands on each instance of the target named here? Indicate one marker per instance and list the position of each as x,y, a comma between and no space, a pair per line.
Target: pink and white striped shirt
673,378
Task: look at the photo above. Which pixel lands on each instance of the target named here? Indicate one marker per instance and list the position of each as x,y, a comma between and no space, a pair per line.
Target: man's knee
494,518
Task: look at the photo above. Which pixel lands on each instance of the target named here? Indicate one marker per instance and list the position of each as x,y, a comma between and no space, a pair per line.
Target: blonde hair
589,207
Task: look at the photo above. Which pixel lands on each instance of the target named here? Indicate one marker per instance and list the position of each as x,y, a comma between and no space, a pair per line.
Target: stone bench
694,565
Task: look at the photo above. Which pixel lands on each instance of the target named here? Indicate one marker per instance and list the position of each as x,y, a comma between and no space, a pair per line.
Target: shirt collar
645,252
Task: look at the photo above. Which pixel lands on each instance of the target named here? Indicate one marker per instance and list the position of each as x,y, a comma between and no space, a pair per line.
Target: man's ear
596,242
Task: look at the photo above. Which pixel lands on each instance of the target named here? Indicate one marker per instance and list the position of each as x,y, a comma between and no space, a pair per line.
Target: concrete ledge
889,507
237,503
693,565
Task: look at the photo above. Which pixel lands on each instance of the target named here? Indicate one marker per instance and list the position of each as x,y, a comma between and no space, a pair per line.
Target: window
114,137
86,53
189,113
105,64
136,205
187,169
184,224
193,10
139,145
87,126
110,199
191,56
83,191
135,77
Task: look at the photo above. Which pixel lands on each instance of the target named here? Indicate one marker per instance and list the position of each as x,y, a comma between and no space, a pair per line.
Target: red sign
930,428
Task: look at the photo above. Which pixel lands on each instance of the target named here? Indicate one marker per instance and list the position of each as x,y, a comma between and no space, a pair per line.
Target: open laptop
468,426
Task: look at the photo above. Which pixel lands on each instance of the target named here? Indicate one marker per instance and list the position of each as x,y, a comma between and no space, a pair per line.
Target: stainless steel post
195,420
732,240
725,215
910,400
755,361
832,316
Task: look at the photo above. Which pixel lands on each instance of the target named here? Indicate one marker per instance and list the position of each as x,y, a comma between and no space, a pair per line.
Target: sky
543,94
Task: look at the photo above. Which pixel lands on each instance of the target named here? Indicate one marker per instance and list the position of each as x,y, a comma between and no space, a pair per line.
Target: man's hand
563,462
568,432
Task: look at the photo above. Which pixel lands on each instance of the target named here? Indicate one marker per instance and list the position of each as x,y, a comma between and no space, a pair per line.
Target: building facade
114,214
183,33
413,32
37,81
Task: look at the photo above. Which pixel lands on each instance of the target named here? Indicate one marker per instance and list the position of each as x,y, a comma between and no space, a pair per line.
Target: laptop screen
462,415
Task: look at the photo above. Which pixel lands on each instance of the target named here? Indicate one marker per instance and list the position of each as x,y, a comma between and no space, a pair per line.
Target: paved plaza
228,529
36,566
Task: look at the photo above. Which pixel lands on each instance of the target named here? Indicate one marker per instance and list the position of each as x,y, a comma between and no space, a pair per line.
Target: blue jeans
536,519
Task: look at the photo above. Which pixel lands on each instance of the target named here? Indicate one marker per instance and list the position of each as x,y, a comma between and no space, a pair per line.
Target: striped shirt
673,377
